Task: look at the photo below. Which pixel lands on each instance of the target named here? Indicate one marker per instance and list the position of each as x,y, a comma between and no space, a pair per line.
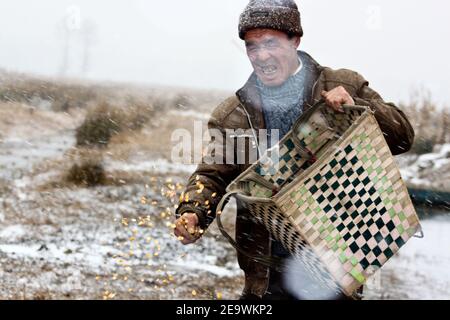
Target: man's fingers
337,97
181,230
184,236
180,236
337,105
332,102
183,239
335,102
191,226
187,229
177,233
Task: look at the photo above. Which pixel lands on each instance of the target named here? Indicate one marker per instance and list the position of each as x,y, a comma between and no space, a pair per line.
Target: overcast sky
397,45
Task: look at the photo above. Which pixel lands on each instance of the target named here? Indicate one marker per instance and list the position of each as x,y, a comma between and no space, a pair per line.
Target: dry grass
30,90
106,120
23,121
65,94
88,173
99,126
126,121
431,123
154,141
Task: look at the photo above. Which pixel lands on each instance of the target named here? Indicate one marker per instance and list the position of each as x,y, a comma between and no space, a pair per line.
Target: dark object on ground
97,130
88,173
429,197
423,146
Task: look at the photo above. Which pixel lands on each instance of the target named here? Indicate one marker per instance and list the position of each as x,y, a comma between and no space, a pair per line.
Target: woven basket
336,201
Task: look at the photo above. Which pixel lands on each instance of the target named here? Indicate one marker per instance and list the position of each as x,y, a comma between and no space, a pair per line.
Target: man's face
272,54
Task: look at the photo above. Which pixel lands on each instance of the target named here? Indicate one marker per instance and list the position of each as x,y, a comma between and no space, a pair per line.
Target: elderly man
284,84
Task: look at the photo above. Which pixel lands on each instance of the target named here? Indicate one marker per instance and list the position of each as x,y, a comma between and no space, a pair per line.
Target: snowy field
107,242
428,171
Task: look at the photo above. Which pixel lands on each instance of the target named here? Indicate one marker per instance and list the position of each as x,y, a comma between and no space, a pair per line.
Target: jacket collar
250,99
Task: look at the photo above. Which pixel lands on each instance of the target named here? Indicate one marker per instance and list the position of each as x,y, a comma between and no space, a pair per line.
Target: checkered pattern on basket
340,122
291,162
354,210
312,136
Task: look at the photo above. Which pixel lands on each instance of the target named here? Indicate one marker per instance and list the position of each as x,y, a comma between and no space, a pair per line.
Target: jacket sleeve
207,184
393,122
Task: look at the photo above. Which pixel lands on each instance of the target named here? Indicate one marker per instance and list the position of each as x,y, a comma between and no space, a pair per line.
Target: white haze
397,45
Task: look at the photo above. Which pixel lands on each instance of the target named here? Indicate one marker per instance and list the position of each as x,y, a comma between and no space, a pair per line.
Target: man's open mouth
268,70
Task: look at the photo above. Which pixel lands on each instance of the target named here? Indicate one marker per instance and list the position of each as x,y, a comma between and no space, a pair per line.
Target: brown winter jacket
244,111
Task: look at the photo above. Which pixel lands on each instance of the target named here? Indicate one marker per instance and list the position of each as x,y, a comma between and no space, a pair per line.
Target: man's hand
337,97
187,229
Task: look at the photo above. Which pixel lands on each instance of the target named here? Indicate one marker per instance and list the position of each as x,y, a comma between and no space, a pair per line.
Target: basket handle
268,261
256,178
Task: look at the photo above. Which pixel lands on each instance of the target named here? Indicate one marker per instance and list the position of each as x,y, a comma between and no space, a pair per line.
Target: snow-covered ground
427,171
18,154
108,238
105,242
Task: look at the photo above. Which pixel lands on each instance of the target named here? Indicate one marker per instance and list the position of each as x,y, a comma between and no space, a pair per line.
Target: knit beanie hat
282,15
